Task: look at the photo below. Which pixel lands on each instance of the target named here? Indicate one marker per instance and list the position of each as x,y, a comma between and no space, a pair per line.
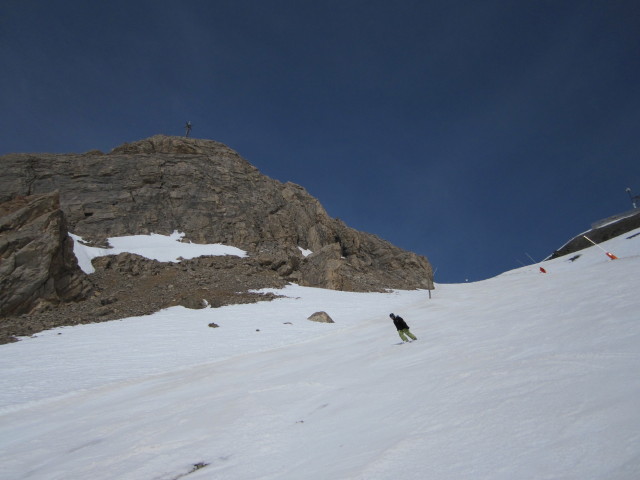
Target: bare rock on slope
37,266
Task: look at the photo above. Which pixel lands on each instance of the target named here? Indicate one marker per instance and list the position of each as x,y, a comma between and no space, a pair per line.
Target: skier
403,328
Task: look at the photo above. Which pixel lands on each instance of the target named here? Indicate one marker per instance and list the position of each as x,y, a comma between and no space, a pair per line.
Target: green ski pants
404,333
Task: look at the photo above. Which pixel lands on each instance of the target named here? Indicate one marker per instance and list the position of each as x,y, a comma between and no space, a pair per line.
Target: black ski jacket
400,323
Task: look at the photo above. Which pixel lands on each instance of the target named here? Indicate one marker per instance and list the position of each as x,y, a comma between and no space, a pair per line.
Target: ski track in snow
526,375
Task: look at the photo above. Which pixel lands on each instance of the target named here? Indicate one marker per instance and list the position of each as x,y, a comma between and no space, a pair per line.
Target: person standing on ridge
188,129
402,327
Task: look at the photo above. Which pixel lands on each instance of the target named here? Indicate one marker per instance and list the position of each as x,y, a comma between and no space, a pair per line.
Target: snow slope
523,376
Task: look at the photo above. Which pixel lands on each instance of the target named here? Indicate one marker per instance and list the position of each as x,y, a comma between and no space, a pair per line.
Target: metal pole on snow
608,254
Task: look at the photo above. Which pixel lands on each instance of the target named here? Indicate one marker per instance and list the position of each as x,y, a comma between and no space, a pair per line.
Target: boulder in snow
322,317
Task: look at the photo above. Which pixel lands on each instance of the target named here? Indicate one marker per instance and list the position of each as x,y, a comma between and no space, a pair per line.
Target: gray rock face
38,268
209,192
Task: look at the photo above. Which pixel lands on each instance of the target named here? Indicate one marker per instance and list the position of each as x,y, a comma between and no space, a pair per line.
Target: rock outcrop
160,185
205,189
38,269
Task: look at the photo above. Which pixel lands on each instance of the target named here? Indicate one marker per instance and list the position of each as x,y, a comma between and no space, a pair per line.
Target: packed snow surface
523,376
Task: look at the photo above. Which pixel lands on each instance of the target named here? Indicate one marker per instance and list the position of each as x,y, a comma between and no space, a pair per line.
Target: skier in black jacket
403,328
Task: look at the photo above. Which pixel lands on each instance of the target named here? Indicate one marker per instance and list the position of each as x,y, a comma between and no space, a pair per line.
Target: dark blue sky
472,132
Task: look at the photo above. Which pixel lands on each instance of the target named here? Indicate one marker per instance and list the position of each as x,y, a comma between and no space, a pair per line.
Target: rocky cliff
209,192
38,268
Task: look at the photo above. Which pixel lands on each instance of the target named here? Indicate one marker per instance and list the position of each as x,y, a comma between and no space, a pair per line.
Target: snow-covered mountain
523,376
